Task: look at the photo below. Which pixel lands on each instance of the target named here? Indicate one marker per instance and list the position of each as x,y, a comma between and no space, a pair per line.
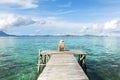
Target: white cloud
12,20
111,24
95,26
22,3
81,28
55,22
55,25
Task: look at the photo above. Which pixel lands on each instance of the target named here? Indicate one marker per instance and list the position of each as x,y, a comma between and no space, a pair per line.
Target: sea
19,55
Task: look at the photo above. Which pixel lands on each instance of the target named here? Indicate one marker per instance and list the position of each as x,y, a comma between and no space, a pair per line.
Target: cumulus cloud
69,27
111,24
22,3
55,22
95,26
55,25
81,28
12,20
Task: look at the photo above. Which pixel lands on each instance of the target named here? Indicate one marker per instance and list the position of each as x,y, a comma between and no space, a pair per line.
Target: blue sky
38,17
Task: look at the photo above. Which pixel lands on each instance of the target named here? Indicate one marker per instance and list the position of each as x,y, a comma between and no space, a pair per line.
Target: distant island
3,34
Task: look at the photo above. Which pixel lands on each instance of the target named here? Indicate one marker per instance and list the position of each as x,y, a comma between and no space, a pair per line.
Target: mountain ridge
4,34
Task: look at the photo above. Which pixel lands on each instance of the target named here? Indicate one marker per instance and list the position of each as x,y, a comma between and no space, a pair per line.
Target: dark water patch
8,71
8,60
104,69
93,62
100,73
5,55
92,75
108,74
13,69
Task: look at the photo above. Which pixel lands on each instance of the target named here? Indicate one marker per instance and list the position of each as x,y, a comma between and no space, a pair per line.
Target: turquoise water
18,55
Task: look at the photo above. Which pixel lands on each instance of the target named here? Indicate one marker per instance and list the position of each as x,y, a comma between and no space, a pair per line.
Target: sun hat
61,41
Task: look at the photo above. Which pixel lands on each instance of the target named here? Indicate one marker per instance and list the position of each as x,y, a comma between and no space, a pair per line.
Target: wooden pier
62,65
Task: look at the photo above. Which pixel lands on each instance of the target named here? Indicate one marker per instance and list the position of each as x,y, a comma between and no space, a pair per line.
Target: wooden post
83,60
48,57
39,60
79,56
80,59
45,58
42,60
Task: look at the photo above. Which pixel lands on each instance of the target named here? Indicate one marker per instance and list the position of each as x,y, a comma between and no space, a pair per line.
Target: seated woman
61,46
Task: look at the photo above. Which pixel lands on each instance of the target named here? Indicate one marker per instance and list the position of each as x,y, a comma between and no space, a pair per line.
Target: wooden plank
67,52
62,67
77,52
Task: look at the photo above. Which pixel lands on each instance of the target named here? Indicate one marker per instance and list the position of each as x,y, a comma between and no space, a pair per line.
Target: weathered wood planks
63,66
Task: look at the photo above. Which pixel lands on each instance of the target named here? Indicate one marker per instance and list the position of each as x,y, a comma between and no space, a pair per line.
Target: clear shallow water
18,55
